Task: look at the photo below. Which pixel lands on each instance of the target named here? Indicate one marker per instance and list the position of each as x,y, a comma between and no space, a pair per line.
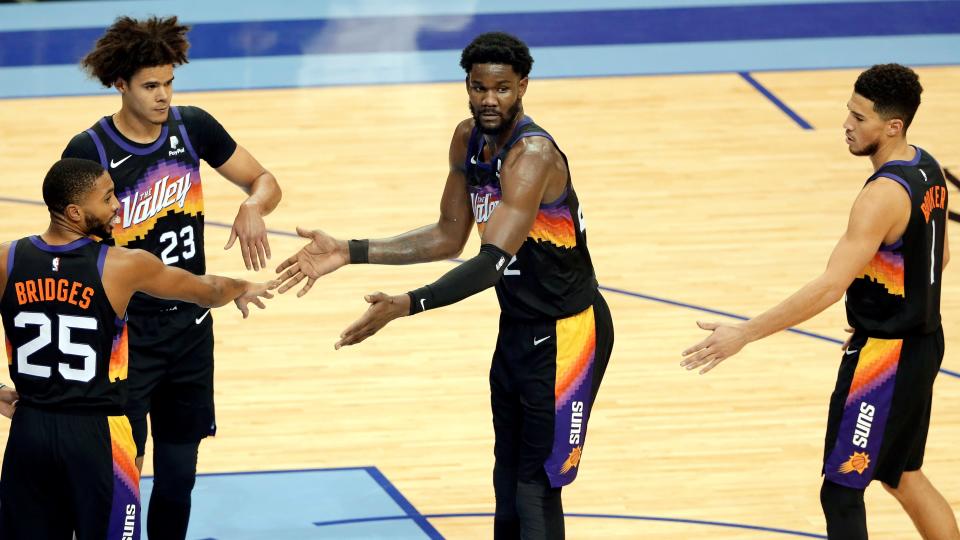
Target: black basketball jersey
66,347
898,293
551,276
160,194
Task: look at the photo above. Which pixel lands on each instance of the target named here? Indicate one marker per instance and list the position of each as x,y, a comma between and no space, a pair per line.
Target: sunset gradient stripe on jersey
877,364
554,225
119,359
576,345
886,268
124,454
9,351
126,481
173,171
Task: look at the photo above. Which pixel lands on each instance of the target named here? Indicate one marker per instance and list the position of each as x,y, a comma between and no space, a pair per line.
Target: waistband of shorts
898,335
73,410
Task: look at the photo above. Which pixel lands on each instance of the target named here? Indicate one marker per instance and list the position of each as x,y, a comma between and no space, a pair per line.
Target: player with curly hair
152,149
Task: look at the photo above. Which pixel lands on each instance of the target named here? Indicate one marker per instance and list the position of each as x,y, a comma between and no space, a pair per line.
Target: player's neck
61,232
897,150
134,128
496,142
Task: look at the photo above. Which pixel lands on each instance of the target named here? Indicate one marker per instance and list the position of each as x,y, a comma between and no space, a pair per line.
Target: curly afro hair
130,45
497,48
894,90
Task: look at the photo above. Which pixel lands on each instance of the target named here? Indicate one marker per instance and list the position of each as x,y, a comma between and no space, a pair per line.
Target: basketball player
889,263
509,176
69,462
153,151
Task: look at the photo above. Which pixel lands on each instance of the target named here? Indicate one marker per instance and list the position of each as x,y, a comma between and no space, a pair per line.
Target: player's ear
894,127
121,85
523,86
73,213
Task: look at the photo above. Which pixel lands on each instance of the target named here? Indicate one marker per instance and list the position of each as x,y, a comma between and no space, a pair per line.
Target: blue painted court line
624,292
402,501
543,29
297,71
90,14
683,521
775,100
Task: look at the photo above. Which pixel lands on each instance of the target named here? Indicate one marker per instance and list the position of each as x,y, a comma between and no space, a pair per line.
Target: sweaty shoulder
81,146
536,148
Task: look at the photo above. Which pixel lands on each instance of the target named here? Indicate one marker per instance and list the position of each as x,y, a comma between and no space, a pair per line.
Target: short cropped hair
894,90
68,182
497,48
130,45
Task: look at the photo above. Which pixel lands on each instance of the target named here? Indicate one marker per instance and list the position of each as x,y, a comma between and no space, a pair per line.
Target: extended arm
881,208
128,271
527,172
437,241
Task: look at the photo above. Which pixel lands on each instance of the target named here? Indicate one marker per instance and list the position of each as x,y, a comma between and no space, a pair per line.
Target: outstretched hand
383,309
8,401
253,294
724,341
251,230
322,255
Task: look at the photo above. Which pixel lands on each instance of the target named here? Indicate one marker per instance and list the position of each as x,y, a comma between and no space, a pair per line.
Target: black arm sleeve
81,146
471,277
211,141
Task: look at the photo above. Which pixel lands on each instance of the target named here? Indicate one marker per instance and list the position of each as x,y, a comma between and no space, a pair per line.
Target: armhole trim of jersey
10,254
99,144
183,133
896,179
102,258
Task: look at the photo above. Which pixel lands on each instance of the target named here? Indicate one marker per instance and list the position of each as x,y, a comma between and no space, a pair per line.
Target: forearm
477,274
425,244
807,302
264,193
219,290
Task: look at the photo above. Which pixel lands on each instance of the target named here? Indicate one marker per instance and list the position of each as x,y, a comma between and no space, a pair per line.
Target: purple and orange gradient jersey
66,347
898,293
551,276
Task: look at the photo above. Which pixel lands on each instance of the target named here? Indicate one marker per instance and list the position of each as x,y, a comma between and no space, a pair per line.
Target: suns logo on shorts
572,460
859,462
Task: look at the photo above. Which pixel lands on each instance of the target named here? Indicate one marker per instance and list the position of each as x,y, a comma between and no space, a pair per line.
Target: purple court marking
604,288
775,100
758,528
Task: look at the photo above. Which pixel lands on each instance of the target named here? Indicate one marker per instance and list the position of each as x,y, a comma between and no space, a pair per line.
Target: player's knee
908,482
840,500
175,470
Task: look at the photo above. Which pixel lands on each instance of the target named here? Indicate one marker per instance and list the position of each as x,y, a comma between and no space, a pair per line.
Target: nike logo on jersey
924,175
115,164
539,341
850,352
202,317
473,160
152,201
